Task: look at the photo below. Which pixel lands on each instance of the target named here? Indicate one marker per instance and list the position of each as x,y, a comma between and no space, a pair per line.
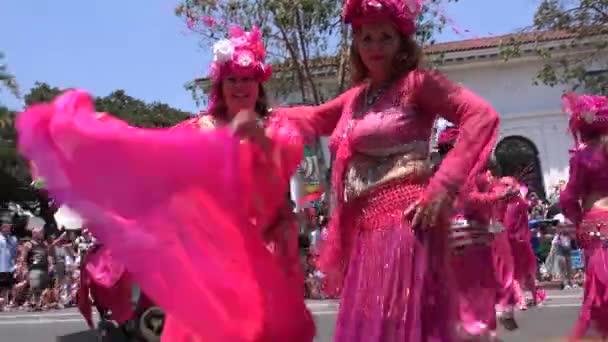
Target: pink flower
190,23
209,21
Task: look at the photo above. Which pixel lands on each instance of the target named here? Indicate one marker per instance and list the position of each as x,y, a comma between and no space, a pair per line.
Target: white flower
245,61
589,117
222,51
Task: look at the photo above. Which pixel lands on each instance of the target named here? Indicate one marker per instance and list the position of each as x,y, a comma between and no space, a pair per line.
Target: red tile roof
496,41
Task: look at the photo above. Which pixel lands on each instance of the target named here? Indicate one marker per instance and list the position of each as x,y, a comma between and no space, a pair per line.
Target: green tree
300,36
7,79
586,22
15,176
134,111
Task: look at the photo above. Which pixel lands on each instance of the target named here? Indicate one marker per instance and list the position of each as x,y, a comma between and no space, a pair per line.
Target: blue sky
142,47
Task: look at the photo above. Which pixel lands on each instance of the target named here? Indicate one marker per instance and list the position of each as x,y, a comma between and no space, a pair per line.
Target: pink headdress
588,115
448,136
243,54
402,13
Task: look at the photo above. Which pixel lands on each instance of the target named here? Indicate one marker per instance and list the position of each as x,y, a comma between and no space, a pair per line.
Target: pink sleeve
478,123
288,146
569,199
314,121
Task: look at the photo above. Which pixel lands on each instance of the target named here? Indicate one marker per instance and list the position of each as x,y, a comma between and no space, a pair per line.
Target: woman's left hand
423,216
245,126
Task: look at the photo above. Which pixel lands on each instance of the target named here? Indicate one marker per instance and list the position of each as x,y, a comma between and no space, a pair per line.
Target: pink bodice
389,129
588,177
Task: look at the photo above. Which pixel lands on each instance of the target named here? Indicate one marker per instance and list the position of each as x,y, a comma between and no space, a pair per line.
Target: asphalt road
552,321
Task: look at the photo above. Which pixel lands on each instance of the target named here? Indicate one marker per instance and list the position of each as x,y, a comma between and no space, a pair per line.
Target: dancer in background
503,256
584,201
387,249
471,242
198,218
525,265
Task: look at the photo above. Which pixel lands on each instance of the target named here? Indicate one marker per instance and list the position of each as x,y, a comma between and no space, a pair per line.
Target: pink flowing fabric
108,283
164,202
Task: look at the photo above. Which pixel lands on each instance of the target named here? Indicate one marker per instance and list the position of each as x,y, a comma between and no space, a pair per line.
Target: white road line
58,314
42,321
567,305
316,313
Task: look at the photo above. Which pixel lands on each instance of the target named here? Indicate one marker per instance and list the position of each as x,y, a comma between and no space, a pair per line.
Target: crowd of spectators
41,270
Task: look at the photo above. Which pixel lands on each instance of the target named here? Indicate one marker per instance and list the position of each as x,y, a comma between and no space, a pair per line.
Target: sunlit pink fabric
172,205
588,178
404,114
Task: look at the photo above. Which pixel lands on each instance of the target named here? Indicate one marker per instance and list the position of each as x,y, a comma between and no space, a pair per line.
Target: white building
533,128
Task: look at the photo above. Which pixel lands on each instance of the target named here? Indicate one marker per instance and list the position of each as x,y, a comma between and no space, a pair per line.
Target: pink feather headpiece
402,13
242,54
448,136
588,115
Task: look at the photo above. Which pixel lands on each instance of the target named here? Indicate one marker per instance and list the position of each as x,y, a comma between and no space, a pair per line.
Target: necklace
370,100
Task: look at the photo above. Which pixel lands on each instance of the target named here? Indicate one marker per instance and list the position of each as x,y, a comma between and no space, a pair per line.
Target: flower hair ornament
242,54
402,13
588,115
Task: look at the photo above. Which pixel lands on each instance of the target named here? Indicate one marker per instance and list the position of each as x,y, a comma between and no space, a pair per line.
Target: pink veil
166,202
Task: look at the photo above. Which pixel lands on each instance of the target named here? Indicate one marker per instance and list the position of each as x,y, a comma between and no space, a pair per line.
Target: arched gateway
517,156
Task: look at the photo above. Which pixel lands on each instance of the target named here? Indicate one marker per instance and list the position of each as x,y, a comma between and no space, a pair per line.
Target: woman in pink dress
503,257
387,249
524,260
584,201
199,219
471,240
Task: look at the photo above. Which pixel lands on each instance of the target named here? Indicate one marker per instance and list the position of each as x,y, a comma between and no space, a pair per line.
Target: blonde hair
408,58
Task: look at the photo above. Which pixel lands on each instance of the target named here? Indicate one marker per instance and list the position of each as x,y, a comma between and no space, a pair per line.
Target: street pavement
552,321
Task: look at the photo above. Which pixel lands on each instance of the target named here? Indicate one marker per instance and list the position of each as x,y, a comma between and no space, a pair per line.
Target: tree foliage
14,172
302,37
586,66
6,78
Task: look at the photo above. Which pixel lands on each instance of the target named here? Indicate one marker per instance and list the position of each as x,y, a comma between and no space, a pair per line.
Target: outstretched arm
321,120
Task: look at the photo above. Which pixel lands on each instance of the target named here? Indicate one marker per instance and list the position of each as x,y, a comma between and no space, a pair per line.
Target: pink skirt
503,270
524,260
476,289
595,299
398,285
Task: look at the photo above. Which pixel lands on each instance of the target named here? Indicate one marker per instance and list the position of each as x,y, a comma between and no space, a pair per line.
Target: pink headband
243,54
402,13
588,114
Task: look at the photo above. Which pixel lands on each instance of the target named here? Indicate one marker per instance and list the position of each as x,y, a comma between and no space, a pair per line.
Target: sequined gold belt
365,173
465,233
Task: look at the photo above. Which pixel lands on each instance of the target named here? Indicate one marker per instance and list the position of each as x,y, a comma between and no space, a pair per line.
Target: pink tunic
393,287
588,178
176,207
